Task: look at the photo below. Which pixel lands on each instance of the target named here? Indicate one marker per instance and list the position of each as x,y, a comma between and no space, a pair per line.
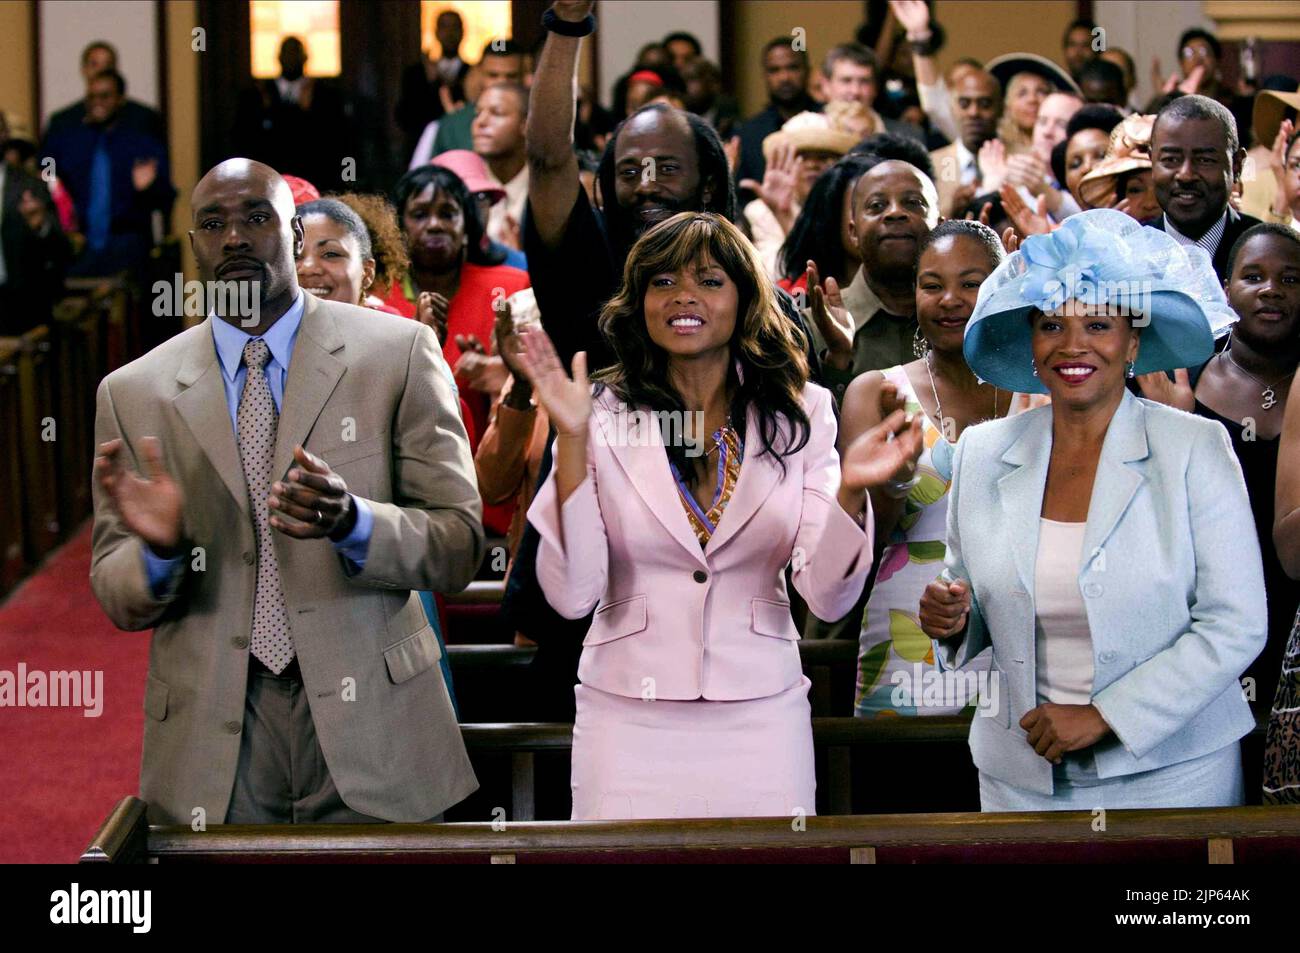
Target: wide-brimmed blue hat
1101,256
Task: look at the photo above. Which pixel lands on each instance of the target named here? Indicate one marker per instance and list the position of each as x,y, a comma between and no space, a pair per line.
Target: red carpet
63,772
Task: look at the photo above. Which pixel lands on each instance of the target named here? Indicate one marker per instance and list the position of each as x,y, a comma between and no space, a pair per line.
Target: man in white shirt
977,103
501,115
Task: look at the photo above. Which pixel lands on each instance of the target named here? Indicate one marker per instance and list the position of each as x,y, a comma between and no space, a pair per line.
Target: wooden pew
474,615
493,682
863,766
1195,836
114,298
13,556
74,332
37,455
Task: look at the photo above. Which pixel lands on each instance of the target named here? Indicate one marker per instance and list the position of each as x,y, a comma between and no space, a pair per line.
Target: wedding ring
319,517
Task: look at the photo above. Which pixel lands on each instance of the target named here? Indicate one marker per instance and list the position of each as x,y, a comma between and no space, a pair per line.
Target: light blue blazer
1170,575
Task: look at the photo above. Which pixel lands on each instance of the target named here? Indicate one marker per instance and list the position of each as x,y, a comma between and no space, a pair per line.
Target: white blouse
1064,643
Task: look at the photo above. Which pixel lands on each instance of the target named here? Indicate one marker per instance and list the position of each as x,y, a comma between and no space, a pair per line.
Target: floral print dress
898,669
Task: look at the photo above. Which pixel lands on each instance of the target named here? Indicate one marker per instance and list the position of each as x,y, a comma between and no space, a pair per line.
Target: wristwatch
583,27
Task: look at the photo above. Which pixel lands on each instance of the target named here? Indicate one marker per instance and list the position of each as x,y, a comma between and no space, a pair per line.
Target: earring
1130,368
1033,367
920,346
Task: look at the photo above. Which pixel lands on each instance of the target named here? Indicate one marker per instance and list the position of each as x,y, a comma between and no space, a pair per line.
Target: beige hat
1270,106
809,132
1129,149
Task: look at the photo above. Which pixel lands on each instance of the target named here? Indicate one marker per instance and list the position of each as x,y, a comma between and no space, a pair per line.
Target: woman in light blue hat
1097,543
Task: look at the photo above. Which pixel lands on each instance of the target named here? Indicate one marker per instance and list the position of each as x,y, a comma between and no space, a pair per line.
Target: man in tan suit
977,104
301,471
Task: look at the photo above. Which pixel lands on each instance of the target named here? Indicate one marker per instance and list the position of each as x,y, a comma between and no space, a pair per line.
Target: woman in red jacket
451,264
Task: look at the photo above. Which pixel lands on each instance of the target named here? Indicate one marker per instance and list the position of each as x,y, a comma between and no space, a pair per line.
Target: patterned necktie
257,418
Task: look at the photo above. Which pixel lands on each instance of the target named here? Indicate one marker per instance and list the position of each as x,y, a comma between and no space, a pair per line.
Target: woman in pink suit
695,470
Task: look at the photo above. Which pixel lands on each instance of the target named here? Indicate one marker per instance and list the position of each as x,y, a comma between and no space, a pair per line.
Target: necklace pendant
1270,399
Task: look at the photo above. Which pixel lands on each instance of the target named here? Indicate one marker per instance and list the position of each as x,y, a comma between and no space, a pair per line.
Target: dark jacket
34,262
1232,230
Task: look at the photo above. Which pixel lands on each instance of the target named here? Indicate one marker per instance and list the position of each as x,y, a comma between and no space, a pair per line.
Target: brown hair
387,247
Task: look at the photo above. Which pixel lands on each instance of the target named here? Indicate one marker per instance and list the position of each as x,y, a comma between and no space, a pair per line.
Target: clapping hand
150,506
143,173
507,339
777,190
1173,393
482,371
431,310
1027,222
888,451
567,400
992,161
833,319
313,503
32,209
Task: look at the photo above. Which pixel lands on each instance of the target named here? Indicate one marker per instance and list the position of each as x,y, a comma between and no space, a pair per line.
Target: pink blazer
677,621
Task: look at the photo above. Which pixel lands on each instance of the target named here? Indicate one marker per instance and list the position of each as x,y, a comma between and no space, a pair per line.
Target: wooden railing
492,680
1216,836
48,379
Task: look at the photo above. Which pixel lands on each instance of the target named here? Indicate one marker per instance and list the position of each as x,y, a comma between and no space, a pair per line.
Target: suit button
239,642
248,559
1092,590
233,727
700,576
1106,657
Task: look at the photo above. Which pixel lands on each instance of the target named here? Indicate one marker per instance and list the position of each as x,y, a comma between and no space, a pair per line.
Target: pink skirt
635,759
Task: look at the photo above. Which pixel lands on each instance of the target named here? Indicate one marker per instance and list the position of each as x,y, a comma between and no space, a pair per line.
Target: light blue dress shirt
280,337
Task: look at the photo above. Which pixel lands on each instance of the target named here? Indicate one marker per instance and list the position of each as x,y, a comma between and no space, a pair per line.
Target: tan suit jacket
365,392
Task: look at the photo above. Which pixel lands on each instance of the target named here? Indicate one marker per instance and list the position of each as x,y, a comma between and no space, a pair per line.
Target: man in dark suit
100,57
431,87
1196,159
785,70
295,123
118,179
33,251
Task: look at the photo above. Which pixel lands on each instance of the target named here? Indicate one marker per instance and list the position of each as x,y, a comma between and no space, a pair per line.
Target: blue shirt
280,337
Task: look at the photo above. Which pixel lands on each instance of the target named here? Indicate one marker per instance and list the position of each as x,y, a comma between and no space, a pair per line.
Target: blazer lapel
641,454
1116,482
759,475
1021,493
314,372
202,405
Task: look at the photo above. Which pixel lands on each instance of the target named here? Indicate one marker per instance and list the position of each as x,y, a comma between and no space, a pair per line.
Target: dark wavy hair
713,166
764,344
815,234
444,180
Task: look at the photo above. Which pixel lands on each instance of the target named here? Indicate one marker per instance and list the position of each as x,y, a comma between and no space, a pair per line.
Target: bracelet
583,27
898,489
922,46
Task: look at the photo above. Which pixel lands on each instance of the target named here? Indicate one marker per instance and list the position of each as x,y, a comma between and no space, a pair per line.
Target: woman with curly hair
391,260
345,258
699,466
